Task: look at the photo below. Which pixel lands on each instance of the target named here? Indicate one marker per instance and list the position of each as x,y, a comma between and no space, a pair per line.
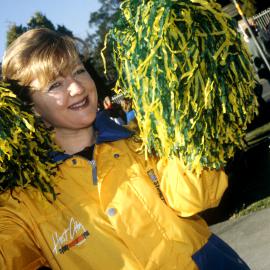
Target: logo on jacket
74,235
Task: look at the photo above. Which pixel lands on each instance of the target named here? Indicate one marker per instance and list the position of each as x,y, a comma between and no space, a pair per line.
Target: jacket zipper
94,171
94,168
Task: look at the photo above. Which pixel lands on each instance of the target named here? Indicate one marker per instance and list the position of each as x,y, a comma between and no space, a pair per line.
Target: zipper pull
94,171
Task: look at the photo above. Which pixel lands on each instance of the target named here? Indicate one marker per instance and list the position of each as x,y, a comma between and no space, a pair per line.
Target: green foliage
103,20
63,30
14,31
256,206
38,20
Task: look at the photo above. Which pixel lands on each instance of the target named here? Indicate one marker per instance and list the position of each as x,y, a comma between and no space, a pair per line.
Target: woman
114,209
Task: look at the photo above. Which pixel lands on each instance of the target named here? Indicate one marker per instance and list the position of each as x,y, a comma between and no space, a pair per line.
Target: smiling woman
63,92
69,102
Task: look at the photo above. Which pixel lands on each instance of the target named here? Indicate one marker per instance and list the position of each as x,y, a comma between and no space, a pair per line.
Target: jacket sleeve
17,247
188,193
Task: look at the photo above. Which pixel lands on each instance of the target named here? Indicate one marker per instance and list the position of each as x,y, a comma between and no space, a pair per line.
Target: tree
63,30
13,32
103,20
38,20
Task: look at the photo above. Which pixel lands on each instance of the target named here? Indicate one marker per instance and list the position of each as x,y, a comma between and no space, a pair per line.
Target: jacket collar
107,131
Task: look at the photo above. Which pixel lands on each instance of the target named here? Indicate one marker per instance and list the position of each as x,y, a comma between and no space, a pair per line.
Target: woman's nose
74,88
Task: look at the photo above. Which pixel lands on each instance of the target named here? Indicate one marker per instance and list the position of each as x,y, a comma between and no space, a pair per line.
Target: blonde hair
40,54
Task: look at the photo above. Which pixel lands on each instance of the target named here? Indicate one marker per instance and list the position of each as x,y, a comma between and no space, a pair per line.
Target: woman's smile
80,105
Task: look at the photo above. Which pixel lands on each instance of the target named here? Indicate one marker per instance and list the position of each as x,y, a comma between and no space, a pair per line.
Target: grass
259,205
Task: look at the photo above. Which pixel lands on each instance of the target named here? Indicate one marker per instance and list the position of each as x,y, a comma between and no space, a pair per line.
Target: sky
74,14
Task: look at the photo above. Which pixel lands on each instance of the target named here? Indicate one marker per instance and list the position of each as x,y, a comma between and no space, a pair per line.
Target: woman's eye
79,71
54,86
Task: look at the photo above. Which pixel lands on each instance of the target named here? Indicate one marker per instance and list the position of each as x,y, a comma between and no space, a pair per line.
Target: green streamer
185,67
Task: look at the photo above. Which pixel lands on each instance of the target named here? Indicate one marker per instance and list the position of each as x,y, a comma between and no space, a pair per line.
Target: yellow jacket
133,215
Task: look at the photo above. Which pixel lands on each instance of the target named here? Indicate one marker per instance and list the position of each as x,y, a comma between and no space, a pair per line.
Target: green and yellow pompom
25,145
190,78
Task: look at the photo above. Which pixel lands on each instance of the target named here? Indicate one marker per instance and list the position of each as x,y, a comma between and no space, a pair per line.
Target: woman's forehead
49,75
49,72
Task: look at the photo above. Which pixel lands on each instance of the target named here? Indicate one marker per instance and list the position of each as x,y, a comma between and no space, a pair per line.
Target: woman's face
68,102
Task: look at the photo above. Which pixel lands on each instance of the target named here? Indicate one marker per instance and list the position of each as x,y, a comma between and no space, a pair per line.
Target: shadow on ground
249,181
249,173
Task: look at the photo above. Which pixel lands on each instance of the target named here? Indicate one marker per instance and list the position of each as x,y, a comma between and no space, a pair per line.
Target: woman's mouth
80,105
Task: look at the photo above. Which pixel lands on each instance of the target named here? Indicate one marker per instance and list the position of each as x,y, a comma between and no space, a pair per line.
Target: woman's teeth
78,105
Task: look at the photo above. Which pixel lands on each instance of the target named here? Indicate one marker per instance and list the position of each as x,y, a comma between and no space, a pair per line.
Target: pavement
249,236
